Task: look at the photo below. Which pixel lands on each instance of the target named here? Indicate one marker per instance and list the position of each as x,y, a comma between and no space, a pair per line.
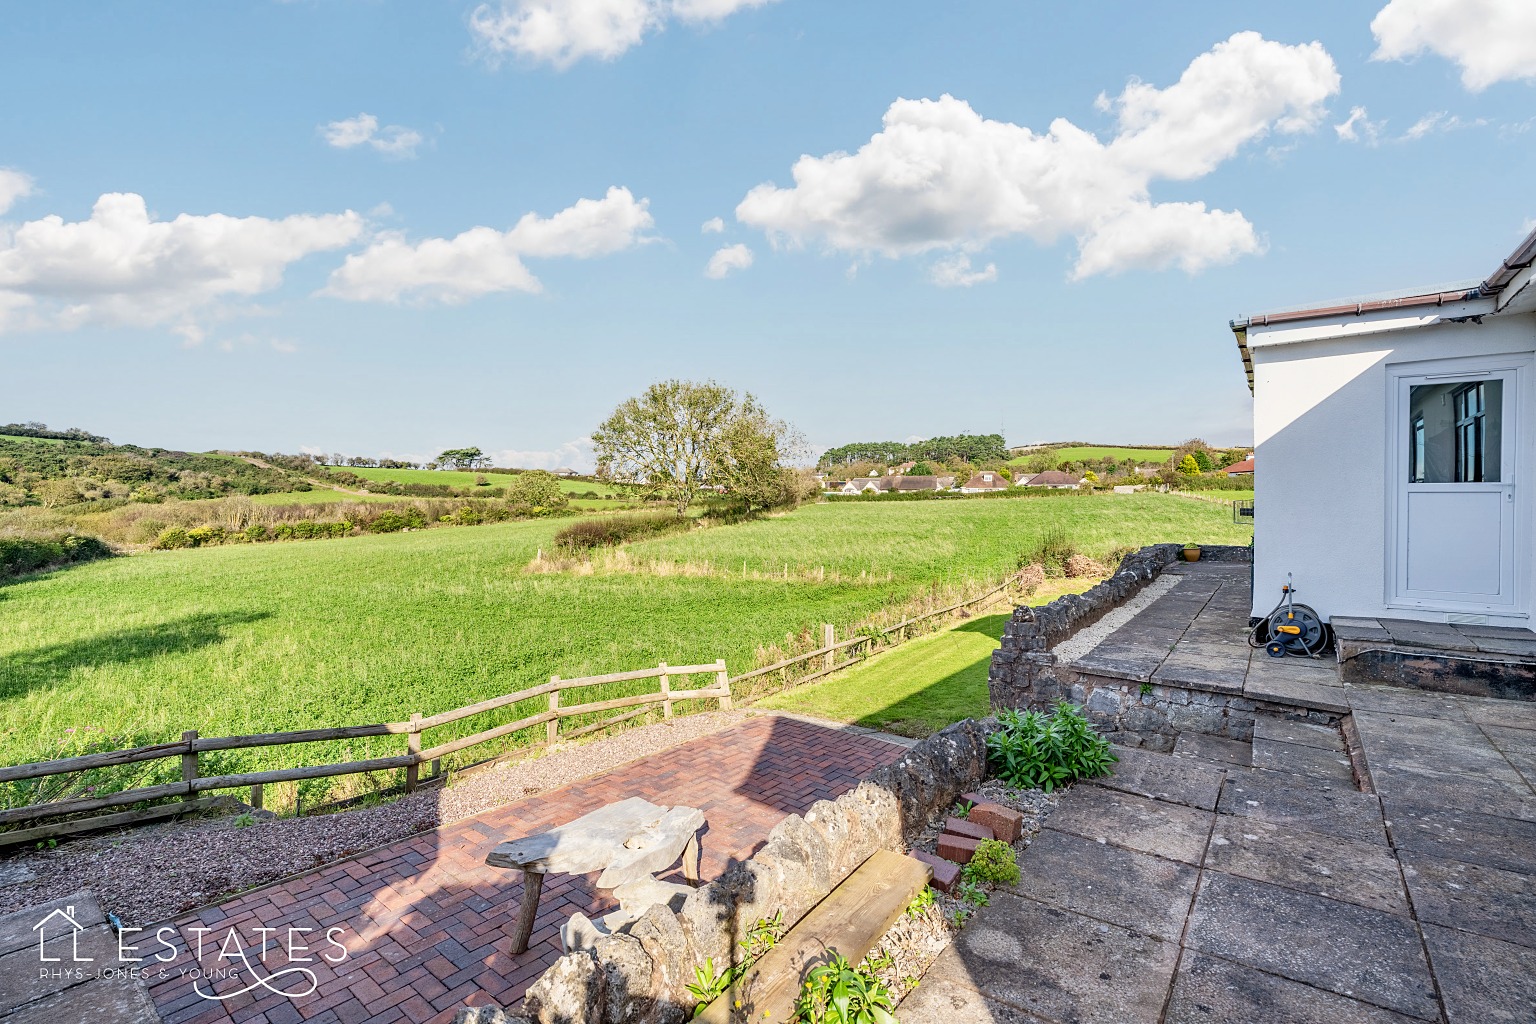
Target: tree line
975,449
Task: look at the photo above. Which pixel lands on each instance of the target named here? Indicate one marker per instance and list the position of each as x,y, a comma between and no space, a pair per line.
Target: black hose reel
1290,629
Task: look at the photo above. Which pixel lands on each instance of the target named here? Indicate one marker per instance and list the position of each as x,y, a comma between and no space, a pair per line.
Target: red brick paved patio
427,924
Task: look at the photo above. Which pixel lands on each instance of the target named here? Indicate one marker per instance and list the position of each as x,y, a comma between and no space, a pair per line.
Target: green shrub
393,521
200,536
24,554
256,533
1054,549
172,538
1032,750
610,531
994,862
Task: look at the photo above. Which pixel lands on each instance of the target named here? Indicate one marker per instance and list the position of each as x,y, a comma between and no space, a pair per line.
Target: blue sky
332,245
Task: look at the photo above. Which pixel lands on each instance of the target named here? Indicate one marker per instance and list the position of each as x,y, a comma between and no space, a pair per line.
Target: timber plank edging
851,919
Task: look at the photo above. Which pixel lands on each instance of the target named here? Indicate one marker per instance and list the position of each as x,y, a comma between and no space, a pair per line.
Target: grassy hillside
1089,453
258,638
458,478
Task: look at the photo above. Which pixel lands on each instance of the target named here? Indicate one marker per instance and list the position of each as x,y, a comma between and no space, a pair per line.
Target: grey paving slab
1500,792
944,1002
1134,822
1379,731
1513,714
1405,627
1369,634
1335,946
1366,874
1209,990
1506,632
1151,774
1060,966
1279,688
1482,980
18,931
1214,748
1329,766
1115,885
1397,700
1287,800
1287,730
102,1001
1471,897
1203,670
1459,834
1498,645
22,979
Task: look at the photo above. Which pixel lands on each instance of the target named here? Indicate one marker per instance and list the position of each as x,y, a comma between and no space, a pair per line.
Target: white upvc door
1457,537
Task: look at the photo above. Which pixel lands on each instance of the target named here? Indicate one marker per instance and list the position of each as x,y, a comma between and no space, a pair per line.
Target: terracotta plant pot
1192,554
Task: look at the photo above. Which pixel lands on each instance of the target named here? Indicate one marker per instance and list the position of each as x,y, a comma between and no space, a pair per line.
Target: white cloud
1491,40
15,185
562,32
393,140
578,455
955,272
1440,121
713,226
1358,127
727,259
484,260
121,267
939,176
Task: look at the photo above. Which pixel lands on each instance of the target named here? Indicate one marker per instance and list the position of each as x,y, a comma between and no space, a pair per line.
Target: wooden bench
851,919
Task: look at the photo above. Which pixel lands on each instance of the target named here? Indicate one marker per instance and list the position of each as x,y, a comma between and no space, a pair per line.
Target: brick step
957,848
967,829
946,875
1006,823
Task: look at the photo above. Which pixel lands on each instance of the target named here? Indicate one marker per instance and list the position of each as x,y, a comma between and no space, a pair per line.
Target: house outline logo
68,914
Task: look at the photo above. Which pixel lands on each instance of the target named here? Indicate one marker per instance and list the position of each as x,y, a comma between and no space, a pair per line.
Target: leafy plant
838,993
1146,688
708,984
972,893
245,820
763,936
962,809
994,861
1035,751
961,915
922,902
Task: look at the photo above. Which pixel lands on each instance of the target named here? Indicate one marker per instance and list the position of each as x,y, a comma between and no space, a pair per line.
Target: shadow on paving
1182,890
426,925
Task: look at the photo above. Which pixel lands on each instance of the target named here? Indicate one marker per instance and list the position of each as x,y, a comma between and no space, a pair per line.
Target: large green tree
680,437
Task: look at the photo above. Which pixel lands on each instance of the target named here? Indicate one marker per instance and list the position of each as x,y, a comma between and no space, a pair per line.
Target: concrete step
1475,660
1213,748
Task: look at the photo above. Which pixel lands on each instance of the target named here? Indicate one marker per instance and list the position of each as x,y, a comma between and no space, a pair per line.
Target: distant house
1244,468
981,483
870,485
924,483
1427,397
905,467
565,471
1055,479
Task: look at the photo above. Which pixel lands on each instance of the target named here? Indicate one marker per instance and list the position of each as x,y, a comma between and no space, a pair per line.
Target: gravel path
153,873
1086,639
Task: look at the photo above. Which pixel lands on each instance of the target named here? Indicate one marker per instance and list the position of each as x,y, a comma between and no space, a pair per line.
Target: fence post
413,747
723,684
666,690
828,638
552,727
189,764
256,797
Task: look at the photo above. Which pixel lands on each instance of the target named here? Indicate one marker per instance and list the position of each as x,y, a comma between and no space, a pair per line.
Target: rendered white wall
1322,482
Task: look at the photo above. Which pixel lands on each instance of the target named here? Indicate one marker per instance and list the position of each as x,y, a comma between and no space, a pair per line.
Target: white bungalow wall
1324,489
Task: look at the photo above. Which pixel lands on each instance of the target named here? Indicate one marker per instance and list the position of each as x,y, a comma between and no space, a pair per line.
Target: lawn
921,686
269,637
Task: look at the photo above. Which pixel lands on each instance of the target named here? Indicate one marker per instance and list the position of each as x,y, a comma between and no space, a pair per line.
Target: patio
427,924
1283,847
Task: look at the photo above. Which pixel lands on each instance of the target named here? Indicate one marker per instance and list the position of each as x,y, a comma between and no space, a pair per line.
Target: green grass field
1092,453
270,637
921,686
455,478
31,440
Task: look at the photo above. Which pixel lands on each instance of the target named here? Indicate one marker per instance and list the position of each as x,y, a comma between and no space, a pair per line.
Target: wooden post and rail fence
192,792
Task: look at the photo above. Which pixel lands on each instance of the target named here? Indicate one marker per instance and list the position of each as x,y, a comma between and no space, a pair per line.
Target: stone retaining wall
1024,672
641,974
